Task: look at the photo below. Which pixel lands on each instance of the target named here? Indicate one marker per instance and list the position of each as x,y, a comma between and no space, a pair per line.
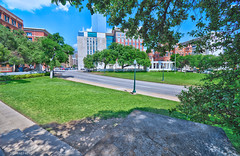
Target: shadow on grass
14,82
106,114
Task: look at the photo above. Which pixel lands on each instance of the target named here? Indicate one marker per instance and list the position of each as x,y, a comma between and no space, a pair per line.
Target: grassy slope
169,77
45,100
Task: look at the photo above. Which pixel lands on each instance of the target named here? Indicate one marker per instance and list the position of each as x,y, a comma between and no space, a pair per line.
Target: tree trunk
51,74
14,68
104,68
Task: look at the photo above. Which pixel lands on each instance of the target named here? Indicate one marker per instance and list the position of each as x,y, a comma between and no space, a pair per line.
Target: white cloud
89,29
63,7
75,46
109,30
28,5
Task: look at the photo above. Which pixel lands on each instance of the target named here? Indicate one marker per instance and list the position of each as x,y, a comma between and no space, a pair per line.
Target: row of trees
117,53
16,49
200,61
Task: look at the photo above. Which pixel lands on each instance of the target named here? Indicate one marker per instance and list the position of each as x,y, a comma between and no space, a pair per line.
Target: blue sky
66,20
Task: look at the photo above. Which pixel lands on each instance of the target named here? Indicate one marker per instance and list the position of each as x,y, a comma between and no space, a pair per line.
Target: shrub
18,77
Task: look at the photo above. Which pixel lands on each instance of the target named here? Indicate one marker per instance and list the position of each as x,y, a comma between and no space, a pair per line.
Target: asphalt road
164,89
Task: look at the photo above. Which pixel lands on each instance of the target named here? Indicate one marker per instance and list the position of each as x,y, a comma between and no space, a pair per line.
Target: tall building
88,43
9,20
98,23
33,33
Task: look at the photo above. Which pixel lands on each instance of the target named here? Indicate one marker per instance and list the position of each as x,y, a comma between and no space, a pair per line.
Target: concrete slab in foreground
11,119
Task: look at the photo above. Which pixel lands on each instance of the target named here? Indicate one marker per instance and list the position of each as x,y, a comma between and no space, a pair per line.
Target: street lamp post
163,73
175,62
51,70
134,84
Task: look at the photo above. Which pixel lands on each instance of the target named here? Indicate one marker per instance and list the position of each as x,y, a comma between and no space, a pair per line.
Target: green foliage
88,62
123,55
107,56
54,48
16,49
4,53
200,61
25,76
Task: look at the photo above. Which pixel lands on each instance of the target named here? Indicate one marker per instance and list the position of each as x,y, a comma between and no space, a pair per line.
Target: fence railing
5,69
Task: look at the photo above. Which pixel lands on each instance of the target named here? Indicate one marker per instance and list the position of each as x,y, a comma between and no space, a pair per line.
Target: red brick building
186,50
121,38
33,33
9,20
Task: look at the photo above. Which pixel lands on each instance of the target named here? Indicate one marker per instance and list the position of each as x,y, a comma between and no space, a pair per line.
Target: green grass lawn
47,100
179,78
55,100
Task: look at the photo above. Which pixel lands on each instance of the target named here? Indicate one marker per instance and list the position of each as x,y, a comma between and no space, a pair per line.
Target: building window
6,18
92,34
30,39
13,22
134,43
19,26
0,15
126,43
141,40
29,34
118,39
137,43
130,43
80,33
122,39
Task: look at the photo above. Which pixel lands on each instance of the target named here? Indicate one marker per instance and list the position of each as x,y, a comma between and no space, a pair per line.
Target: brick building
33,33
9,20
121,38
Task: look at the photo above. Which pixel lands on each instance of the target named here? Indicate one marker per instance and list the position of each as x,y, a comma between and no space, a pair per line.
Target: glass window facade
6,18
19,26
92,34
29,34
13,22
80,33
110,40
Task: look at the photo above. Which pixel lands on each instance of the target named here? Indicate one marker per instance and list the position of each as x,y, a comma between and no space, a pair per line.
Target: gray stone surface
34,141
51,144
143,133
1,152
16,143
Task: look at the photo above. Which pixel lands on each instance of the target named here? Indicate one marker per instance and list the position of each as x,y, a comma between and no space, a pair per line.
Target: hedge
25,76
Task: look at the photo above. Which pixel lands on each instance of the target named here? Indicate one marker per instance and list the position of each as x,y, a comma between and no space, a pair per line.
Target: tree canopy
217,25
16,49
117,53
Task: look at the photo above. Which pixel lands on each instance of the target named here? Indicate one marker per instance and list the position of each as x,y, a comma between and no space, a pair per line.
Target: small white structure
161,65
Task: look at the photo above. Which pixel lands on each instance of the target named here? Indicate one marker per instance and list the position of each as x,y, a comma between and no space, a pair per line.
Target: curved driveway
150,87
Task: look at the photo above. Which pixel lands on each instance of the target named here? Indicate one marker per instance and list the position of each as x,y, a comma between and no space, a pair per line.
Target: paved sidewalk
168,97
11,119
